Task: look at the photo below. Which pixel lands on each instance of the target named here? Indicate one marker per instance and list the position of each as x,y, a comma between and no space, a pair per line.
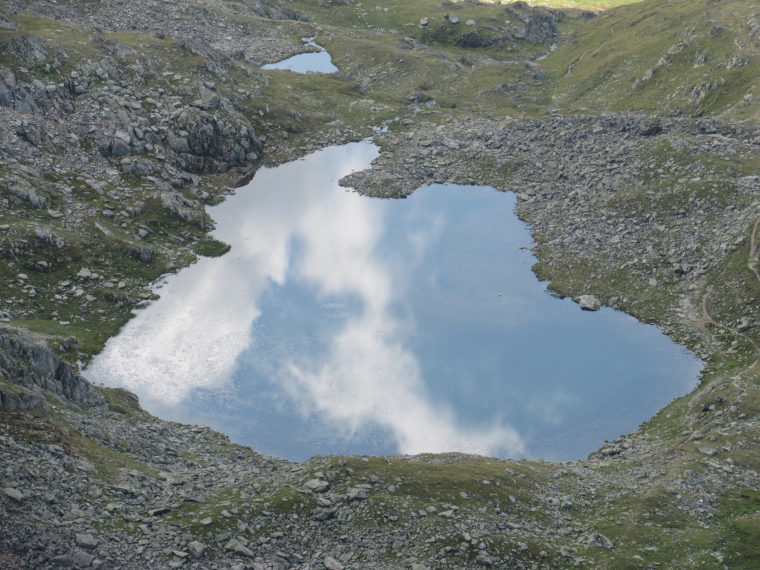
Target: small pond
343,324
313,62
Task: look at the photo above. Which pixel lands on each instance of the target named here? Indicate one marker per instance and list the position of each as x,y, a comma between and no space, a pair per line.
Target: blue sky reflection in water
344,324
314,62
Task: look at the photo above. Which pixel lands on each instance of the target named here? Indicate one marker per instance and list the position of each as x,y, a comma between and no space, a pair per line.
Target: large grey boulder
589,303
209,142
317,485
87,541
112,146
196,549
7,87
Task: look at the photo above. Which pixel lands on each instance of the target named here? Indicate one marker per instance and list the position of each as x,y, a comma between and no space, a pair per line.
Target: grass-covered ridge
690,57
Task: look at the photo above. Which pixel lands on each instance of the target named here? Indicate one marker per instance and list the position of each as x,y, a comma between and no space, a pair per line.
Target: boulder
23,194
196,549
317,485
142,254
14,494
87,541
589,303
204,140
29,48
237,547
599,540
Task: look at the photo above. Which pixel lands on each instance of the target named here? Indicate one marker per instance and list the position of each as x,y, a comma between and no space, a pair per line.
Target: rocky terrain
143,493
121,121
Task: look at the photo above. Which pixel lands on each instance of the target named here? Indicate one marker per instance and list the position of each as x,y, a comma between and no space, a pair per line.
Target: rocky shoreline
187,497
592,188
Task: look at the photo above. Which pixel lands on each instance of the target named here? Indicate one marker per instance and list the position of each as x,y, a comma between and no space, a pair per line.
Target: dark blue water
343,324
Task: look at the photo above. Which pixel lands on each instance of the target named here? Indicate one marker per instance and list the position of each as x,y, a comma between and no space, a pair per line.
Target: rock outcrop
30,371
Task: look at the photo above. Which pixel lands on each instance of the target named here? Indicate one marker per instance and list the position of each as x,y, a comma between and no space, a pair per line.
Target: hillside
682,58
633,147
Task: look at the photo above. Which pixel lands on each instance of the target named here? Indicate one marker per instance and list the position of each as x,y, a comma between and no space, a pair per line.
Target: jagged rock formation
30,372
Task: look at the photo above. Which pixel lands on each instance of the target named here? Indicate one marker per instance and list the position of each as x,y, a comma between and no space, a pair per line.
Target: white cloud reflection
195,335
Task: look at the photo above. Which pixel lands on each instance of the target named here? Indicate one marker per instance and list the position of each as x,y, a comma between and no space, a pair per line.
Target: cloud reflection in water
288,227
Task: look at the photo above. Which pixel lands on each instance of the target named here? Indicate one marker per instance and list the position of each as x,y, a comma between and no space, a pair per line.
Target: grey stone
317,485
589,303
82,558
196,549
84,273
119,148
62,561
237,547
97,185
24,194
30,48
356,494
87,541
332,564
708,450
323,514
599,540
14,494
143,254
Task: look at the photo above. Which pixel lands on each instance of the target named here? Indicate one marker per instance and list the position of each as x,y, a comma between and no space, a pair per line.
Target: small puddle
343,324
314,62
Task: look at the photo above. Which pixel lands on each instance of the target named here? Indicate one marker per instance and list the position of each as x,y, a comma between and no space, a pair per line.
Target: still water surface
314,62
343,324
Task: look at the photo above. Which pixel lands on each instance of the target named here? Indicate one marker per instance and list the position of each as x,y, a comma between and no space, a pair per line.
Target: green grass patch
208,246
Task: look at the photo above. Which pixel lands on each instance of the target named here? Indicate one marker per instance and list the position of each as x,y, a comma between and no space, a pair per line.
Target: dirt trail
702,323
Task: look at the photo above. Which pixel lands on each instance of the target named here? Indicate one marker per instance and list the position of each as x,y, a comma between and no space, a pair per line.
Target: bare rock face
530,24
30,369
274,10
30,48
536,25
